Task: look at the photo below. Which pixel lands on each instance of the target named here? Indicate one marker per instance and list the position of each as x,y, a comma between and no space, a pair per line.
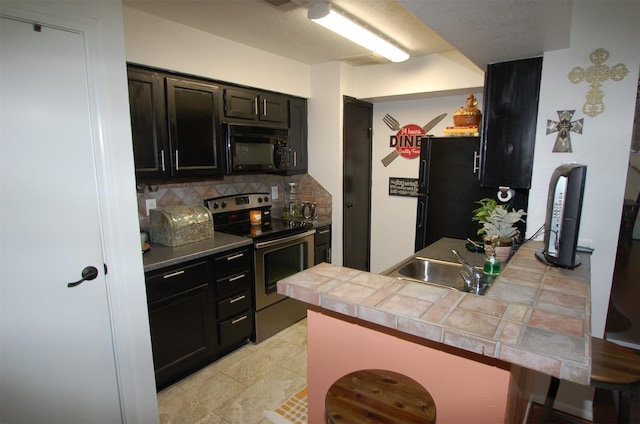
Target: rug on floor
293,411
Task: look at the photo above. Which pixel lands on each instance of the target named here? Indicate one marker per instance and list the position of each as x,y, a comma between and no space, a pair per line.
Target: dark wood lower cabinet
322,244
192,321
181,328
234,285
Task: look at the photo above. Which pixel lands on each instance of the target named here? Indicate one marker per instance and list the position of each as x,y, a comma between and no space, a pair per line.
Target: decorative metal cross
596,74
563,142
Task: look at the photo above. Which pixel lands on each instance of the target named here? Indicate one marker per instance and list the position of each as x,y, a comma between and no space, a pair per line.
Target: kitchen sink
430,271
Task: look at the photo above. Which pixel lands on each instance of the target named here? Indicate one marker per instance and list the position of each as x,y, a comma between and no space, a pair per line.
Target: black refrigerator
448,188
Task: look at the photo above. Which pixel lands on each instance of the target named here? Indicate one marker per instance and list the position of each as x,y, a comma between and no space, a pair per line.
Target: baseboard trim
624,343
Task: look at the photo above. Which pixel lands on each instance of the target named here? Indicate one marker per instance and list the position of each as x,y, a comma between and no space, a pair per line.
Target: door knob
89,273
349,205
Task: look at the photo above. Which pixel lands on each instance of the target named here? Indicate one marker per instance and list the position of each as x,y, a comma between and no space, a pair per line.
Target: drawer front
233,284
174,280
234,305
232,263
323,235
236,329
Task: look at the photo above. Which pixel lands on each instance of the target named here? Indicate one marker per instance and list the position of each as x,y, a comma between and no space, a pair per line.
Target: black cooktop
276,228
231,215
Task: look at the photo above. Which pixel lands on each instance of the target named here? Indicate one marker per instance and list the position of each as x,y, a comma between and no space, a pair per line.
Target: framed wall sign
407,187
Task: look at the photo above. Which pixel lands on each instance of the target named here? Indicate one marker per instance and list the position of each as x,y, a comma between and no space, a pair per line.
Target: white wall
429,76
413,92
329,82
420,76
393,218
606,138
158,42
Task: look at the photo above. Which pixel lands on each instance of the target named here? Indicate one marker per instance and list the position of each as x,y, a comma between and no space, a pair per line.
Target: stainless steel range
281,248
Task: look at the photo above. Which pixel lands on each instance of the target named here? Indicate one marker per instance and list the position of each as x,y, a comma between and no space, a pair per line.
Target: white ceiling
484,31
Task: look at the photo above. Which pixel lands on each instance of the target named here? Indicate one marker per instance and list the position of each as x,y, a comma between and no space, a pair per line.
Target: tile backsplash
194,193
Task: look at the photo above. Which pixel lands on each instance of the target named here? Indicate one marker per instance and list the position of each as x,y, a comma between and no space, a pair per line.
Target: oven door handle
265,244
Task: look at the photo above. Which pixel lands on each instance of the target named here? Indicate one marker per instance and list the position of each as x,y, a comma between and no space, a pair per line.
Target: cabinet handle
323,232
264,106
476,162
237,320
177,167
237,277
174,274
295,158
237,299
239,255
162,159
328,255
255,106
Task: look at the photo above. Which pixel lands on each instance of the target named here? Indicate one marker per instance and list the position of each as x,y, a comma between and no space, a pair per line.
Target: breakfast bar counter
533,317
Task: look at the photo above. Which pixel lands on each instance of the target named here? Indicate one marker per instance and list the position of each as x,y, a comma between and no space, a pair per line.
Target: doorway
356,183
623,317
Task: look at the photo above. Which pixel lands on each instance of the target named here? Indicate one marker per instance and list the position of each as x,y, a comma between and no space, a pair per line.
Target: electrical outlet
150,204
274,192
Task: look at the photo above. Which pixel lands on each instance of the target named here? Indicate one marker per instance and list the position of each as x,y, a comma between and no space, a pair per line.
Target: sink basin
430,271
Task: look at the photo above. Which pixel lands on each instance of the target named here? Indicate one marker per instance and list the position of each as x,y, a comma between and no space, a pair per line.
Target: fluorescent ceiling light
322,14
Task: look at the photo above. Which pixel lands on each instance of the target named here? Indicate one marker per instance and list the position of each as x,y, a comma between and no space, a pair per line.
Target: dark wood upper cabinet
298,136
148,124
240,104
176,123
251,105
510,113
193,128
274,108
175,126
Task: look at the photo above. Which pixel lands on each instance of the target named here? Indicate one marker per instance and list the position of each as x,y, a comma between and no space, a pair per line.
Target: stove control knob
224,205
266,198
259,199
215,205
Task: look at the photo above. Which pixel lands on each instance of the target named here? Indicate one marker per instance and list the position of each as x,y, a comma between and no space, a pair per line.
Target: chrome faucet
472,277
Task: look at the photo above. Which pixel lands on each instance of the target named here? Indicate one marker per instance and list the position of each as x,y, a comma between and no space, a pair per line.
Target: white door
56,351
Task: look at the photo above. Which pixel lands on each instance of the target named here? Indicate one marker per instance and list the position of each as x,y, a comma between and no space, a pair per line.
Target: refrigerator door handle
424,171
476,162
420,213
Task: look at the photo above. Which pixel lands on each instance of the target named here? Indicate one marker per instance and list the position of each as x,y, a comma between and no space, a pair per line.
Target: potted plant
497,226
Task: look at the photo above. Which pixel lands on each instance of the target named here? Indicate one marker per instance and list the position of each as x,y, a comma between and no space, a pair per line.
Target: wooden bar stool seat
613,367
378,396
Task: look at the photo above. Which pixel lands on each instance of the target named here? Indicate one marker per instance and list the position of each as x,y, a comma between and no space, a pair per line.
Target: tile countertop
160,256
535,316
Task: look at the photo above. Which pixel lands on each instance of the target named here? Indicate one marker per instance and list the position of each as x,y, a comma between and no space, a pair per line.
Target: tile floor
237,388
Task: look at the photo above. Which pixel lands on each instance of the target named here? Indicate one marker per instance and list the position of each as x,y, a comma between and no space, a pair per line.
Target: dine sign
407,141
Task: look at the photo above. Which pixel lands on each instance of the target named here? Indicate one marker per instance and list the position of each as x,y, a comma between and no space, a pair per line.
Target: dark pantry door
356,184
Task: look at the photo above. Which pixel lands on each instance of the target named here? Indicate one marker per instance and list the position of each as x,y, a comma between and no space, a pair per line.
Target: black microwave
256,149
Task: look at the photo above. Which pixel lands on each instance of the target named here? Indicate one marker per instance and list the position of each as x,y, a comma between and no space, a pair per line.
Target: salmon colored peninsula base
464,390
